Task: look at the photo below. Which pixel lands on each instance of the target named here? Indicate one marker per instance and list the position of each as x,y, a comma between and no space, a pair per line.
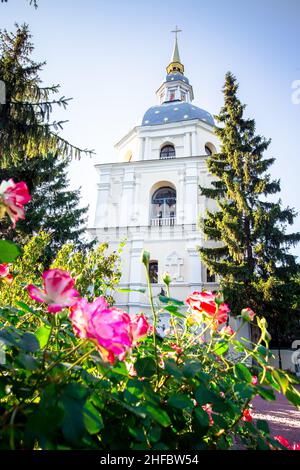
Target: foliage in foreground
96,271
96,380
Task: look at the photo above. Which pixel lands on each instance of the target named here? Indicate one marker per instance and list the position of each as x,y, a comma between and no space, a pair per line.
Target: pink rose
13,196
247,314
111,329
4,270
108,327
202,301
205,302
81,313
58,290
139,326
227,331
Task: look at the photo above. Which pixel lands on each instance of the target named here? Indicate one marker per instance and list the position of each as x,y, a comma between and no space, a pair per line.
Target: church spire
175,57
175,65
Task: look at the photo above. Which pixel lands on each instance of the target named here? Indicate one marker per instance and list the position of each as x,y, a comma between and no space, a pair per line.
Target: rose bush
81,374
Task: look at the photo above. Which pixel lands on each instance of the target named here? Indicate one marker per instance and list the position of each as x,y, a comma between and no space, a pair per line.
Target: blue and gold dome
175,111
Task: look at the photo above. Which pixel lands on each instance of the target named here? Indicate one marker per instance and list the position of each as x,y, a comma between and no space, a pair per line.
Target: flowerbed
81,374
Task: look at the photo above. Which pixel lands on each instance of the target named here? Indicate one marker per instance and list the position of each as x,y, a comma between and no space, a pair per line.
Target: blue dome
176,76
175,111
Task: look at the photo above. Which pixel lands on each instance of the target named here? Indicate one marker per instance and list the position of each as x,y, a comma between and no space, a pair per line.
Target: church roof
176,76
175,111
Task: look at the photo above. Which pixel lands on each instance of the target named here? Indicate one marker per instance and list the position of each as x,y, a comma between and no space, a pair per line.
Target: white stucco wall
124,207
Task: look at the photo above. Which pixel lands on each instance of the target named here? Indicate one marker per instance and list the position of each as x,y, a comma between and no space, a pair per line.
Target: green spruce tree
249,243
26,128
32,151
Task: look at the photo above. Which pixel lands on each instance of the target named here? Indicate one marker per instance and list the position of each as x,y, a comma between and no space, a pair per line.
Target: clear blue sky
110,56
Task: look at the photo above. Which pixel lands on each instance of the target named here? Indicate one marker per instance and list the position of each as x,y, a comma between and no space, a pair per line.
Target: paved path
282,417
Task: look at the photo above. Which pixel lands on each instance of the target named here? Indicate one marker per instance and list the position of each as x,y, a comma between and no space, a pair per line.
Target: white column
102,208
147,151
194,143
194,280
180,197
127,197
139,153
136,199
186,149
136,274
191,194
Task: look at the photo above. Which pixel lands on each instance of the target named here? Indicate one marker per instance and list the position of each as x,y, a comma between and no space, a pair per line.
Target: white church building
150,197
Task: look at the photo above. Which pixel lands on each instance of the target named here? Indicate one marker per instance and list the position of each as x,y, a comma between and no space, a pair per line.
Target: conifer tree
32,151
26,129
249,244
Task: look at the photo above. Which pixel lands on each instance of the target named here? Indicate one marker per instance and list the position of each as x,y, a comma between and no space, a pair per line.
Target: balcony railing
163,222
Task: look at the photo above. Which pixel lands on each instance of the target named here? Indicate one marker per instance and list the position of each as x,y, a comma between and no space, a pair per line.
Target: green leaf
26,361
73,400
203,395
181,402
173,310
157,414
154,434
263,426
43,334
44,422
171,300
193,368
120,369
172,368
25,307
92,418
9,251
202,417
29,342
281,379
266,393
269,379
244,391
134,391
262,444
293,396
145,367
221,347
242,373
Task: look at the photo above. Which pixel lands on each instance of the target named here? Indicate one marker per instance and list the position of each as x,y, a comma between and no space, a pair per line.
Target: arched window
163,206
210,149
167,151
153,272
